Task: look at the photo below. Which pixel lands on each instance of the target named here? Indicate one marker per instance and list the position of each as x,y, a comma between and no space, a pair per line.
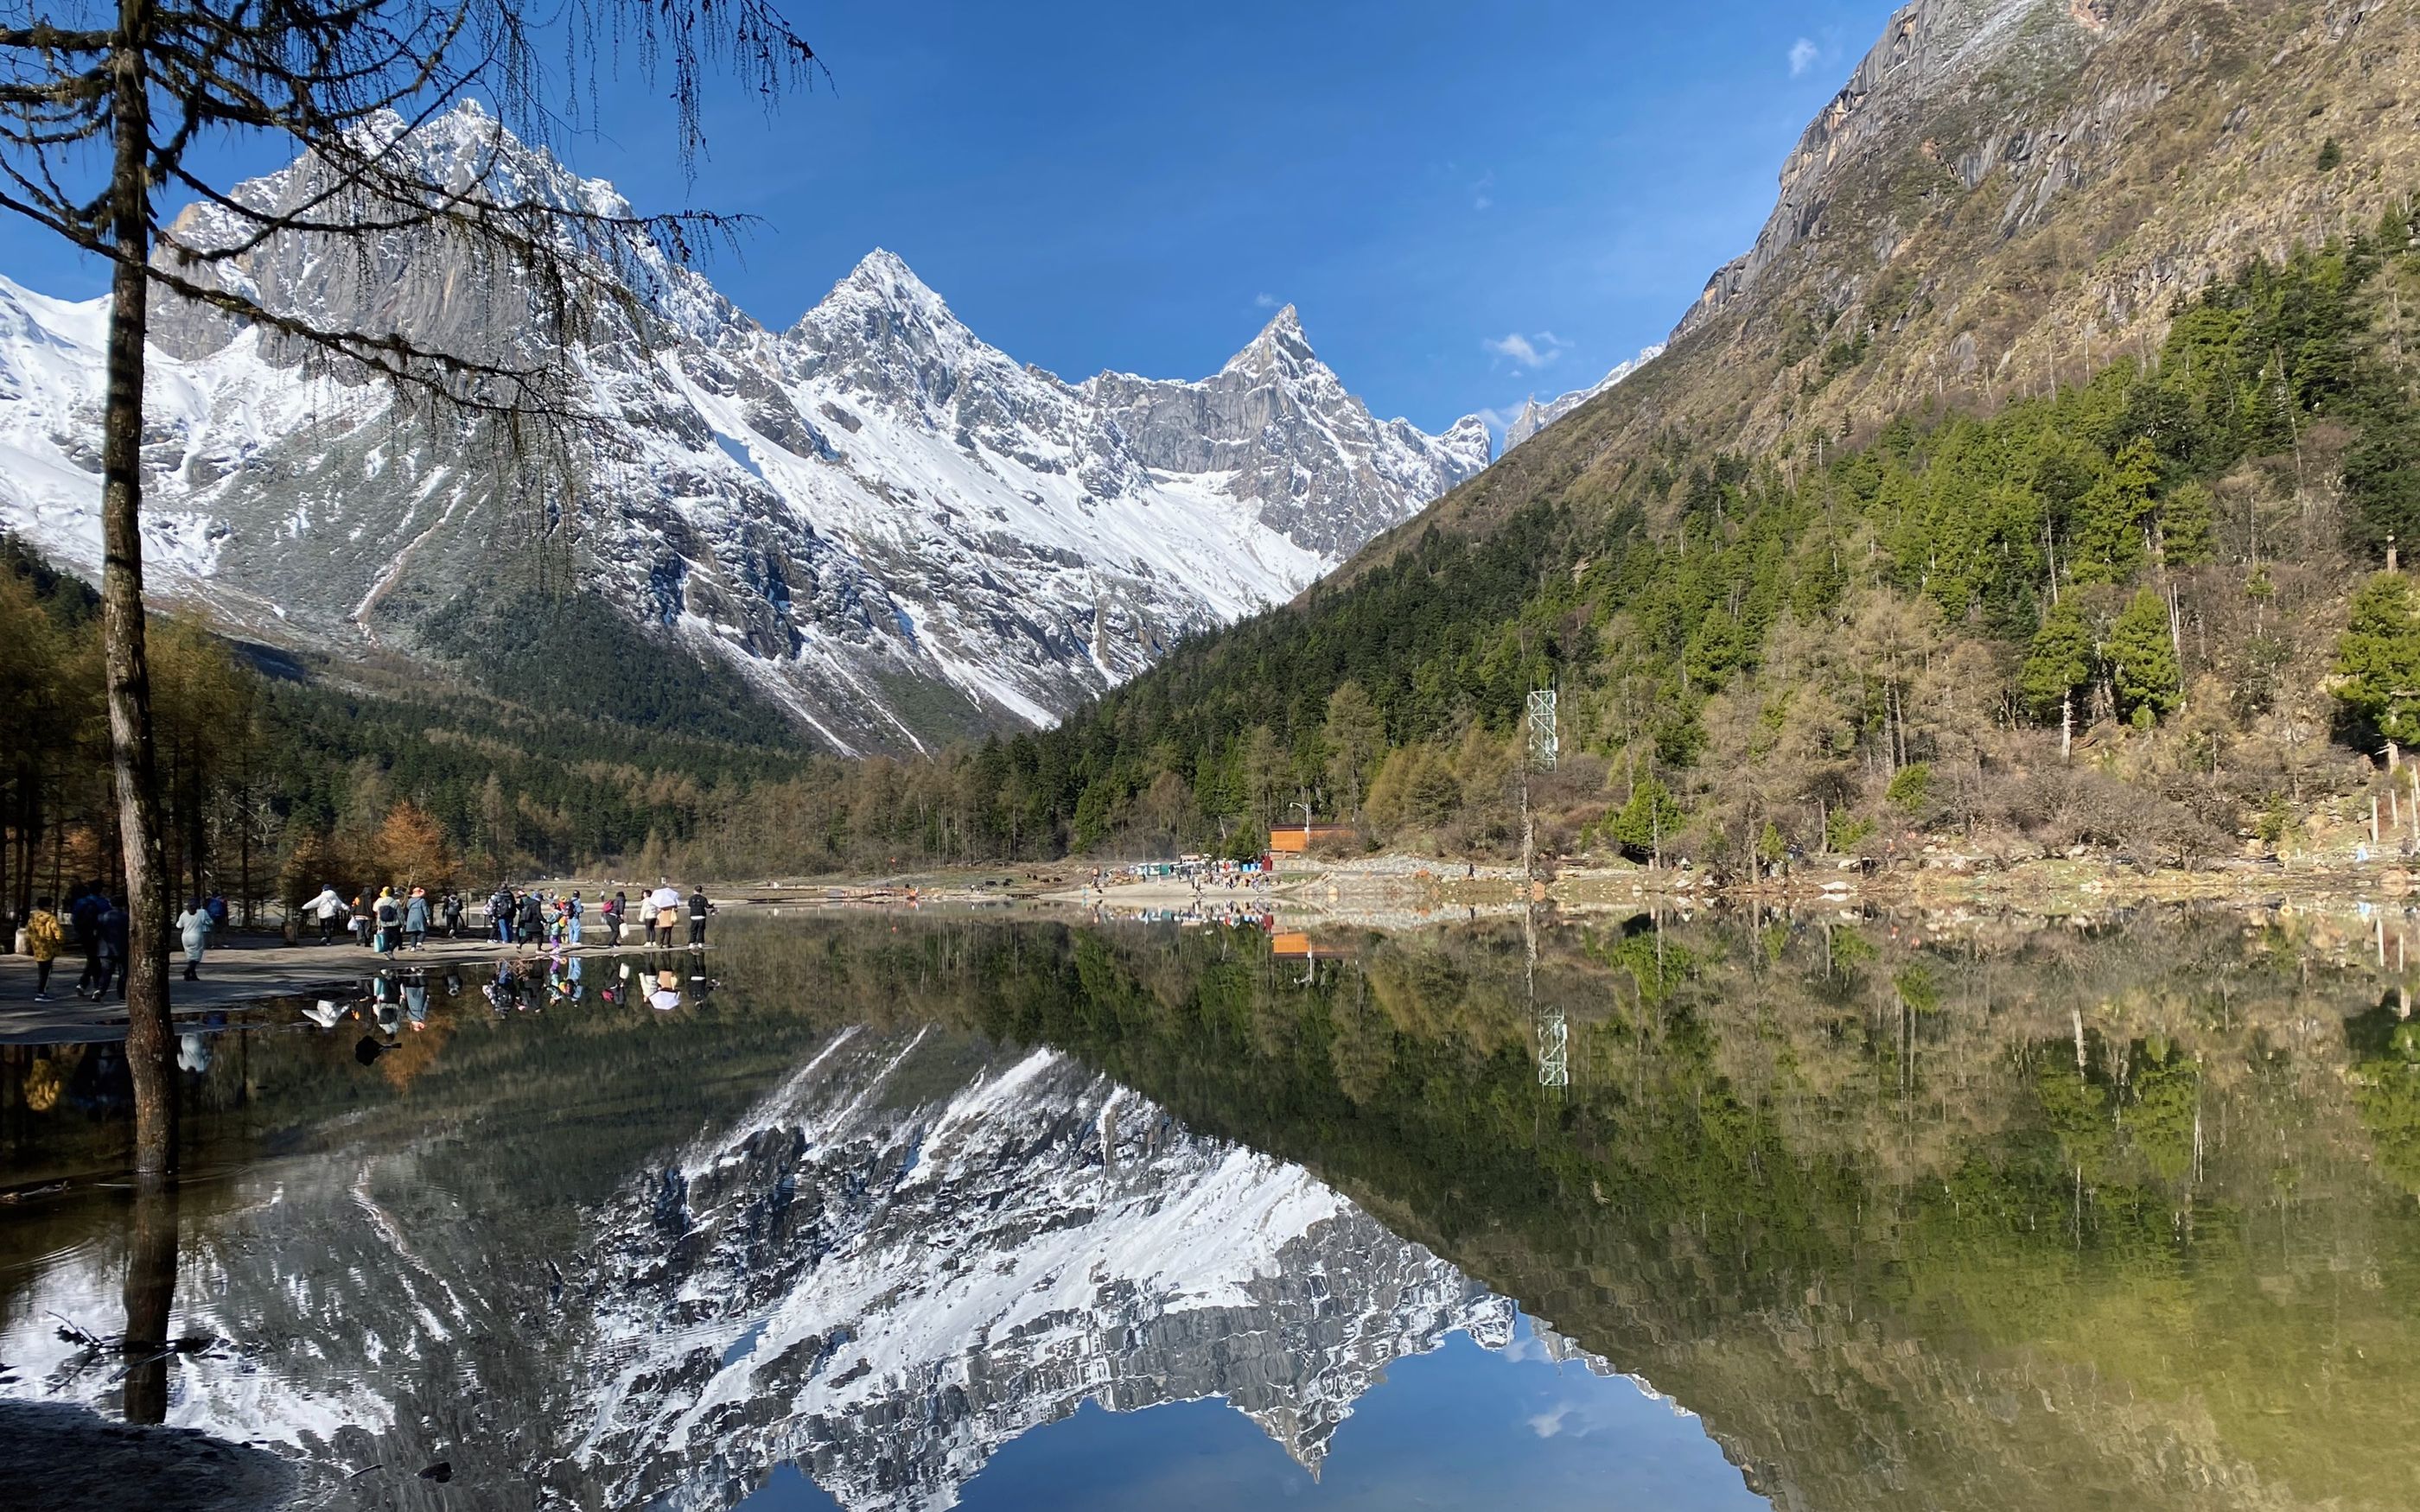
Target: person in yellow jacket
43,934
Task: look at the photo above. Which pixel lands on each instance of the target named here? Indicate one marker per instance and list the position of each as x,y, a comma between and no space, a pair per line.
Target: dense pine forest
2141,609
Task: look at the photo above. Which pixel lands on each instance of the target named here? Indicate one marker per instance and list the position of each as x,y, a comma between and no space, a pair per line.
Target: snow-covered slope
895,529
1535,417
917,1248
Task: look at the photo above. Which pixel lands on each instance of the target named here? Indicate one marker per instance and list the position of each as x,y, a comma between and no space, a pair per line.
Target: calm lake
913,1212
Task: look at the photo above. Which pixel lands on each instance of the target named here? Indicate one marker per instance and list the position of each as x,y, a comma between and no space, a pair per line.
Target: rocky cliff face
2005,193
1936,59
894,529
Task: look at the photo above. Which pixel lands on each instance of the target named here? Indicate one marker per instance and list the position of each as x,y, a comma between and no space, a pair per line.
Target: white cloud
1526,351
1264,302
1546,1424
1804,55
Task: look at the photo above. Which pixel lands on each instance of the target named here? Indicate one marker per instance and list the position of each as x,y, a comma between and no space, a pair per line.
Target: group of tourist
541,919
94,922
389,922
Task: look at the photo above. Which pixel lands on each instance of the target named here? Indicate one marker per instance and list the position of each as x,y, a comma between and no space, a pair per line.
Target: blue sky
1469,202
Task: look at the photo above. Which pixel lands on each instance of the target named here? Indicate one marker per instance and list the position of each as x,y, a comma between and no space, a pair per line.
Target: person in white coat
329,909
194,930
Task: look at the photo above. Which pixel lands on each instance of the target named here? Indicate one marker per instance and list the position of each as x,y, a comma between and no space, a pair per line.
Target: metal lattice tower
1544,744
1553,1049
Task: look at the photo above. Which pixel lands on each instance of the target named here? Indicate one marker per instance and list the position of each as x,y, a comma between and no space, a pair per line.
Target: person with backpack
500,913
389,916
610,911
216,906
194,929
43,935
531,923
451,911
573,909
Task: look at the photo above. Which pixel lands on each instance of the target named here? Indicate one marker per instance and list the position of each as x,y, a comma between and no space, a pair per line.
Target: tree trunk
151,1294
150,1047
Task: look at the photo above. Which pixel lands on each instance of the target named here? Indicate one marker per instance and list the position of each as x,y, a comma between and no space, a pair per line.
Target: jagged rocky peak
1535,417
895,530
1322,469
1280,347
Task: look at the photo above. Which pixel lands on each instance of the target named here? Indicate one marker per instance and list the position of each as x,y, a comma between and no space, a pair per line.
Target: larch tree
1356,736
112,113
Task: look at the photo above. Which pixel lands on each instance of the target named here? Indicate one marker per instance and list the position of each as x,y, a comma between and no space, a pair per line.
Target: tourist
572,911
667,902
83,916
698,909
216,906
327,908
194,929
44,933
530,924
415,920
452,912
612,915
361,922
113,929
389,916
500,913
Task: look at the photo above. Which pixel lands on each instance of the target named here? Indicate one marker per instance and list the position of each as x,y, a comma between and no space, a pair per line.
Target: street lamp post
1306,822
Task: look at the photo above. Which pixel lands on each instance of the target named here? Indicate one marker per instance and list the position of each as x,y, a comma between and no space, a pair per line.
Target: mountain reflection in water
910,1213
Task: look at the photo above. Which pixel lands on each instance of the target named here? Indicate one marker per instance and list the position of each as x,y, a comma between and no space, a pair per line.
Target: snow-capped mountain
896,529
1535,417
915,1248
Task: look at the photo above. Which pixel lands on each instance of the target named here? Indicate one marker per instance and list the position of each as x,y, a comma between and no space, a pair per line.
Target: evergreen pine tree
2111,515
2059,662
2378,659
2143,660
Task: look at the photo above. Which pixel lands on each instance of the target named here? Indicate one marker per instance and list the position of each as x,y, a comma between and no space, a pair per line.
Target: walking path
239,971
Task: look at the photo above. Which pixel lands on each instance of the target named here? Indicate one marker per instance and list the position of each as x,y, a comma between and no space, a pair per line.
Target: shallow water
909,1212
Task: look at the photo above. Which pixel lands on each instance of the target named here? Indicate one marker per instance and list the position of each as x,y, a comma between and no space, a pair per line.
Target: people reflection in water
415,999
505,993
665,995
